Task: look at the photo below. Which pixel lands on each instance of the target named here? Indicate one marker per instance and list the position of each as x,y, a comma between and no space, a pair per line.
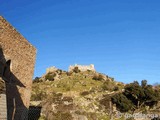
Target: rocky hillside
76,95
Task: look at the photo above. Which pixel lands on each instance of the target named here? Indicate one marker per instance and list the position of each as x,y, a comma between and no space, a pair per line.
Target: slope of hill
89,95
74,95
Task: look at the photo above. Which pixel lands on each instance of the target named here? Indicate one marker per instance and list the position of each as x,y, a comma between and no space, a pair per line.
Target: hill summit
85,94
82,67
77,93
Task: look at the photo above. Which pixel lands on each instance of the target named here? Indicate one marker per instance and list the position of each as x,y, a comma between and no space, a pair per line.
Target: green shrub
107,85
50,76
122,102
116,88
38,96
84,93
98,77
112,79
36,80
136,96
106,102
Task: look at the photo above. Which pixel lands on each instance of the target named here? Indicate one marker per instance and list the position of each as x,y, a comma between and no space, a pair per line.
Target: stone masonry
3,104
18,57
3,108
82,67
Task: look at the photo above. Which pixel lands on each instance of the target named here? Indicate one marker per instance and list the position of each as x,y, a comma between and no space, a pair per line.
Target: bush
140,96
106,102
112,79
36,80
84,93
50,76
122,102
116,88
97,77
107,85
38,96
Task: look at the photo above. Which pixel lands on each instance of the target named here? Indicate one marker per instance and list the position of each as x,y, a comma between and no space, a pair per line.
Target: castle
17,59
82,67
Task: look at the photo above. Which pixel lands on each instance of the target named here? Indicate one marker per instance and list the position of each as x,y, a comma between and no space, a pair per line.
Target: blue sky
120,37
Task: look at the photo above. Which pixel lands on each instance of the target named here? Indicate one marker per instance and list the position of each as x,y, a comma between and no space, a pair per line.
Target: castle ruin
17,59
82,68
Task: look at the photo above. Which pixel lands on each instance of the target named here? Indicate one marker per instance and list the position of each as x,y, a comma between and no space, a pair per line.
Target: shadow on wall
16,110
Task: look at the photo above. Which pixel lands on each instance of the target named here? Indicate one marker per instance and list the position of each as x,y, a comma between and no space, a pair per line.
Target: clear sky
120,37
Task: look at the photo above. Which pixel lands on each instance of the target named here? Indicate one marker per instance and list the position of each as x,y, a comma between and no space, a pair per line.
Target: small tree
135,93
144,83
151,96
122,102
139,96
50,76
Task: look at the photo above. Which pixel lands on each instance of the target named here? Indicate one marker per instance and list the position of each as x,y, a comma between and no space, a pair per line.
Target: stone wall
19,82
3,108
51,69
3,104
82,67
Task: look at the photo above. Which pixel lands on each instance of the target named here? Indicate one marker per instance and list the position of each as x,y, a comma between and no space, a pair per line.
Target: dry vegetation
77,95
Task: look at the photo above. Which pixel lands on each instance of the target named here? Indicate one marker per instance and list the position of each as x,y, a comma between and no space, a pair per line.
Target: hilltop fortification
82,67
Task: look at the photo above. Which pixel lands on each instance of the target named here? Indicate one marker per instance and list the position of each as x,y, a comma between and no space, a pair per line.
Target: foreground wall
16,48
3,104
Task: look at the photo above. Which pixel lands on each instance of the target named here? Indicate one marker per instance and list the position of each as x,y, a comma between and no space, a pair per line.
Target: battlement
82,67
51,69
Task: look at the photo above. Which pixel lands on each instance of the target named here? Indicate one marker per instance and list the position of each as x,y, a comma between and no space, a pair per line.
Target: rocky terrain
76,95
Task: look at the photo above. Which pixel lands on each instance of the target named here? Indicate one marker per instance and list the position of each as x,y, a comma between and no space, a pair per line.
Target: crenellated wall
82,67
